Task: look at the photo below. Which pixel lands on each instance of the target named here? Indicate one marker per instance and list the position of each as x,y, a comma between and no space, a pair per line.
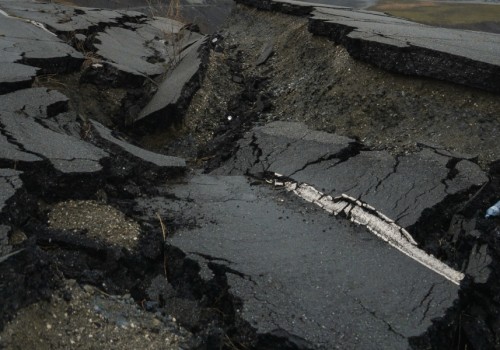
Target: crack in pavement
426,295
394,171
390,328
14,142
352,150
380,225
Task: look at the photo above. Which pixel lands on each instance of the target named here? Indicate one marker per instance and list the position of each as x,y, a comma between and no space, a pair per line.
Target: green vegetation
441,13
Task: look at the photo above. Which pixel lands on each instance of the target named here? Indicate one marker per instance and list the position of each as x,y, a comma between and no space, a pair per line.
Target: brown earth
483,17
87,318
310,79
97,220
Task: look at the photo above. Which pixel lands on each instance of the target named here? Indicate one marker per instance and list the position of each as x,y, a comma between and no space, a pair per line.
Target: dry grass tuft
90,59
164,233
50,80
158,8
440,13
172,10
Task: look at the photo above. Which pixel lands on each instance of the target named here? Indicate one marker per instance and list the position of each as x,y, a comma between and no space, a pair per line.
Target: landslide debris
77,283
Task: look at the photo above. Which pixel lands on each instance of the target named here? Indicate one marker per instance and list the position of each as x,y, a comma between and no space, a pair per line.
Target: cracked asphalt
238,251
400,187
302,272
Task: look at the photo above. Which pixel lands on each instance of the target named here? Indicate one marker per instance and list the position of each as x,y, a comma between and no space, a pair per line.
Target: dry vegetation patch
446,14
98,220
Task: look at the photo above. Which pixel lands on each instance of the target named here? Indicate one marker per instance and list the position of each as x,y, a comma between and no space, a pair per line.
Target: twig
164,232
101,292
49,79
232,345
163,228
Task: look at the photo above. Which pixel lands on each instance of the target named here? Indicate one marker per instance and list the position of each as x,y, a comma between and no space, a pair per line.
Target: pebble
89,289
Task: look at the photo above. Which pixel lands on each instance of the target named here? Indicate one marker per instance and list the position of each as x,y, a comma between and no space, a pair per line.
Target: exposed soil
83,317
101,103
309,79
98,220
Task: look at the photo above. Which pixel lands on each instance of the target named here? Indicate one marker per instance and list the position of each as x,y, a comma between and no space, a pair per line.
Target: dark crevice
394,171
210,258
256,150
352,150
389,326
452,172
16,143
246,108
427,297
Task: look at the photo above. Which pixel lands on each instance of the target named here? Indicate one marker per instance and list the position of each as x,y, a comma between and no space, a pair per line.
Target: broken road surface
303,274
296,239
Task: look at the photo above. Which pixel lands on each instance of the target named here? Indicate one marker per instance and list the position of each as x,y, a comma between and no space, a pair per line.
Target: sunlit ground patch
456,15
98,220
